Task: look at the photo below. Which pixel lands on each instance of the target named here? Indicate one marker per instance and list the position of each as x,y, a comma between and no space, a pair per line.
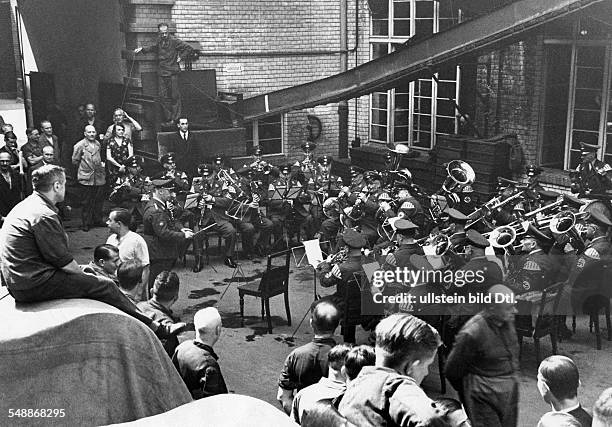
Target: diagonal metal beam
416,60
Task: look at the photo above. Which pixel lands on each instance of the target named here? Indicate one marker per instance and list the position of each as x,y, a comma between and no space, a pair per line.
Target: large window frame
602,134
259,134
386,119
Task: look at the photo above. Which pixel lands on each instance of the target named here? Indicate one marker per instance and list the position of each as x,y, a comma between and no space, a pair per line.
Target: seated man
129,276
389,393
36,263
105,263
165,294
558,382
196,360
328,387
307,364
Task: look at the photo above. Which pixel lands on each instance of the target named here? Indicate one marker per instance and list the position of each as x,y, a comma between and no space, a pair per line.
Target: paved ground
251,359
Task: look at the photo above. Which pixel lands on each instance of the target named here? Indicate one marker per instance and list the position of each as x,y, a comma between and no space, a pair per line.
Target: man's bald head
90,132
502,302
207,322
325,317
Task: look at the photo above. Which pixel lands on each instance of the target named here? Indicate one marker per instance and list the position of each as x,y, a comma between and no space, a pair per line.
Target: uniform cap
166,158
353,239
543,236
371,176
324,160
162,183
400,149
588,148
133,162
456,216
476,239
403,225
205,170
308,147
533,170
355,171
548,194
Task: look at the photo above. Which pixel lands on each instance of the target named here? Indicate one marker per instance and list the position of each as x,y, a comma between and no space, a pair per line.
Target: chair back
275,279
549,301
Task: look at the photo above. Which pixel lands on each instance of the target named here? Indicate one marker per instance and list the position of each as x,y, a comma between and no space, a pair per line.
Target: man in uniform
458,238
217,195
132,188
342,275
180,186
483,364
595,175
160,233
279,209
406,246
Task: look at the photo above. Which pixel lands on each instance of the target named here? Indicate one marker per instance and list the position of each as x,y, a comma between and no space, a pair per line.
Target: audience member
558,382
307,364
357,358
129,276
483,363
10,186
131,245
558,419
389,393
119,148
324,414
90,119
91,175
183,144
36,263
10,147
48,138
105,263
602,410
196,361
328,387
165,294
454,414
33,149
130,125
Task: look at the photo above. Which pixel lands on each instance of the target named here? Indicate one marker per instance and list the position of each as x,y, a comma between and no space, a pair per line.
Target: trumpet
492,205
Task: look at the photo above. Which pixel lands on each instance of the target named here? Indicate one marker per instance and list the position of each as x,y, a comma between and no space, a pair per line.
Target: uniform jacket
538,270
159,232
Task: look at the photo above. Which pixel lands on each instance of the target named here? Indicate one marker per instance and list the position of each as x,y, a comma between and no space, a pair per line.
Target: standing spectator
105,262
10,146
165,294
558,382
130,125
169,51
32,150
132,247
86,156
10,186
90,119
356,359
328,387
129,276
483,364
196,361
184,146
389,393
307,364
36,263
602,410
163,239
48,138
118,149
47,158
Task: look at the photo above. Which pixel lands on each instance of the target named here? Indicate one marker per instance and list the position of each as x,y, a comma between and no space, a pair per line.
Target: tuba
459,174
565,223
504,236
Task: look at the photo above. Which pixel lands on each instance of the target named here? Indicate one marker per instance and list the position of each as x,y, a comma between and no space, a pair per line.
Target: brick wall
264,45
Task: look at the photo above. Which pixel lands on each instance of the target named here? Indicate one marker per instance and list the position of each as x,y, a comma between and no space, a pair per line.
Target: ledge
152,2
556,177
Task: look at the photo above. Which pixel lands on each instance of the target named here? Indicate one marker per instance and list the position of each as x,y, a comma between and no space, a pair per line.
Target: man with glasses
170,50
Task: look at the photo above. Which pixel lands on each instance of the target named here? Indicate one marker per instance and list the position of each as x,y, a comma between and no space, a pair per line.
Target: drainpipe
343,109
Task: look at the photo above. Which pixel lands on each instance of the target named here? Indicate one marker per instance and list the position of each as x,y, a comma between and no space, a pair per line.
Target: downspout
343,110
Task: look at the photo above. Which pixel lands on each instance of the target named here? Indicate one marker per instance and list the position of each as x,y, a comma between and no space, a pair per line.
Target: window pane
448,73
379,100
400,133
379,133
401,27
424,9
445,108
422,88
581,136
378,50
401,118
423,27
422,122
379,117
591,56
421,139
422,105
589,78
402,101
269,131
589,99
380,27
271,146
446,90
401,9
586,120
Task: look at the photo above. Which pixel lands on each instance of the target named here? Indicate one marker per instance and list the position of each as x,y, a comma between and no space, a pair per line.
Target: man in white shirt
131,245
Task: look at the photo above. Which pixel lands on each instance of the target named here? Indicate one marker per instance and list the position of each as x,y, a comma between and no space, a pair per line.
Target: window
413,112
578,97
266,133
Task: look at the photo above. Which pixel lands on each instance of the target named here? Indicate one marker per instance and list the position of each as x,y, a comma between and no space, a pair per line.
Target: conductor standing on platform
169,51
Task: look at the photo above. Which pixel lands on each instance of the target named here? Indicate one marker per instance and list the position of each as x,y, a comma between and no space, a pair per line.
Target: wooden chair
275,281
546,320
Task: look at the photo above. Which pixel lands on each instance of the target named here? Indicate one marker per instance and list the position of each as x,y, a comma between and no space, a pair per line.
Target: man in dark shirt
483,364
36,262
388,393
10,186
169,51
308,364
165,294
558,382
196,360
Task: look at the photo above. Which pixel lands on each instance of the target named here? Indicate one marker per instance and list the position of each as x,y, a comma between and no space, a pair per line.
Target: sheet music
314,255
